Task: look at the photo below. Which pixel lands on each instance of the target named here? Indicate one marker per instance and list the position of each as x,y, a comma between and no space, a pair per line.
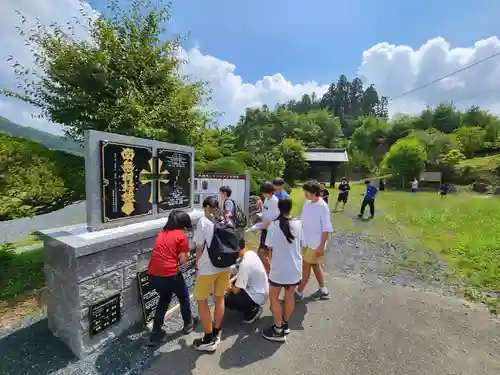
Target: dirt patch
12,311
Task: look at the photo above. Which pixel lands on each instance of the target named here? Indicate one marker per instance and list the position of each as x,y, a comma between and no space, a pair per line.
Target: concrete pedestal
82,268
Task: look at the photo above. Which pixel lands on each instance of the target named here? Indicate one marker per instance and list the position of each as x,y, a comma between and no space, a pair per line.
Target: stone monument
95,271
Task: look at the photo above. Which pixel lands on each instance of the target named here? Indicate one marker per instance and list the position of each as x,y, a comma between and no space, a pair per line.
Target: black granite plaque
174,179
104,314
127,175
149,297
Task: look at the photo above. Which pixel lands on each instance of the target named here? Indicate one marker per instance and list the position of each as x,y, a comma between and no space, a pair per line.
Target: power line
444,77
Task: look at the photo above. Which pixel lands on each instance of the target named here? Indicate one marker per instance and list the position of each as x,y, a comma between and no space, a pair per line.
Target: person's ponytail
284,223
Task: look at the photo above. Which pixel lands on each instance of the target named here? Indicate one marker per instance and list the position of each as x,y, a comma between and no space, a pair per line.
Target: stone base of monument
92,288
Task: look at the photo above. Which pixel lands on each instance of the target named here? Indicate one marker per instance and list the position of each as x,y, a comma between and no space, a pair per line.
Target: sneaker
298,297
319,295
286,330
360,215
273,334
207,343
156,337
216,333
189,327
372,216
256,315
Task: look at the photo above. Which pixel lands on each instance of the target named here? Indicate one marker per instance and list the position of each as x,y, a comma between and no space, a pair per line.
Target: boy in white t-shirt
250,288
269,213
316,226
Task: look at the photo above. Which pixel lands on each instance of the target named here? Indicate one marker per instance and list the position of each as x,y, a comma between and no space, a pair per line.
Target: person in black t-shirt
324,193
343,194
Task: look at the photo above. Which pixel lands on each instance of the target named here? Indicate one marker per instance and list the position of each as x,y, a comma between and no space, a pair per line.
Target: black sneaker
274,334
319,295
256,315
189,327
216,334
360,215
207,343
156,338
286,330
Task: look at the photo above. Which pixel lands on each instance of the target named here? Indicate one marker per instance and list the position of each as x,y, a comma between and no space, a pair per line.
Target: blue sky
267,52
320,39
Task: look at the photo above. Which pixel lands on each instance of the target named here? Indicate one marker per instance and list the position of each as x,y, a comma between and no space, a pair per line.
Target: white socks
323,290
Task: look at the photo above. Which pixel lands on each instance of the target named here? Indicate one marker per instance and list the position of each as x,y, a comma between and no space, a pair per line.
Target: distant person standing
279,188
324,193
369,200
414,185
343,194
381,185
443,190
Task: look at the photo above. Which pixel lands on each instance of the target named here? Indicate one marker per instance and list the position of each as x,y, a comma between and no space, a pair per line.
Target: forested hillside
48,140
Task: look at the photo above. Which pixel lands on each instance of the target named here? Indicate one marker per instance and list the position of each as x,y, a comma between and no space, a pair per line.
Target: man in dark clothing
343,194
324,193
369,200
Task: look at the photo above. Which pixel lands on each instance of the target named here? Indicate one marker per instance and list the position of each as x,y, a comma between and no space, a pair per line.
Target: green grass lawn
20,273
463,229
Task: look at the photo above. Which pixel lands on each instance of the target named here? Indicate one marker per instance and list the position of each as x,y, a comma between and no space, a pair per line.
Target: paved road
14,230
364,329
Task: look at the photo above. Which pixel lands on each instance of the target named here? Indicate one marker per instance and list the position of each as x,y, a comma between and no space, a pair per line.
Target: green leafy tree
406,159
470,139
434,141
295,163
452,158
445,118
124,78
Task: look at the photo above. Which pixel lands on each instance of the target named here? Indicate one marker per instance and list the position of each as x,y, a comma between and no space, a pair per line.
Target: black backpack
224,250
239,217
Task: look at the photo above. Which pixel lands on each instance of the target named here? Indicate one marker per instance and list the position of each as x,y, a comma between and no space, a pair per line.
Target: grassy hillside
35,179
485,169
51,141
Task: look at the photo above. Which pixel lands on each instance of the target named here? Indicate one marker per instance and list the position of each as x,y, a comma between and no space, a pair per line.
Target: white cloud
393,69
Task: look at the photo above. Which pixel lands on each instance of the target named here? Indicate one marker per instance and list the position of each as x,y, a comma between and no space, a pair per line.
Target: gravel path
368,327
14,230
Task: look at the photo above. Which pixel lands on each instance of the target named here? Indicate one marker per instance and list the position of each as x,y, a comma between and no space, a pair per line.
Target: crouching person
249,290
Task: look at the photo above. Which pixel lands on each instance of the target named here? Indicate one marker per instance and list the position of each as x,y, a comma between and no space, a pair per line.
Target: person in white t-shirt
250,288
316,226
269,213
284,238
414,185
208,277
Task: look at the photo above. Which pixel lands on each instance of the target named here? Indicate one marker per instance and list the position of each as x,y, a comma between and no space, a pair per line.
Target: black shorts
263,235
343,197
443,192
286,286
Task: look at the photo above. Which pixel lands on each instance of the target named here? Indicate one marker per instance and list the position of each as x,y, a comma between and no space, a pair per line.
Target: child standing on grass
443,190
316,226
369,199
343,194
284,237
170,249
324,192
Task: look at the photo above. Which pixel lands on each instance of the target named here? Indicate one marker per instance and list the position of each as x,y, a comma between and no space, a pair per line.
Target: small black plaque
104,314
150,298
127,178
174,183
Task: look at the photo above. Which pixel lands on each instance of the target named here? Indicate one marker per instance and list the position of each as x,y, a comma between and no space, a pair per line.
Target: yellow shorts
310,256
204,283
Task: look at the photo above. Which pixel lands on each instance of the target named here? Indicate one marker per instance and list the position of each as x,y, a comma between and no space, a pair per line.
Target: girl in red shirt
170,249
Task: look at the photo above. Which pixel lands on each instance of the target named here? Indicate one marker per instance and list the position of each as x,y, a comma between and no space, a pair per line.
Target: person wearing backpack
230,209
217,249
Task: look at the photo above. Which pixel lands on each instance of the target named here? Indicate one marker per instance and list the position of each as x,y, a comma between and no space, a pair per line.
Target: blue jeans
166,286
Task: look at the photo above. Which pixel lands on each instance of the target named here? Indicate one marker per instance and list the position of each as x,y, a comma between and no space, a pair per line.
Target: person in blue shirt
443,190
369,200
279,188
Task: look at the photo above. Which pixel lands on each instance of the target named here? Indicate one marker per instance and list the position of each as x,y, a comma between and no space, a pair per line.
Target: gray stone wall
79,276
74,284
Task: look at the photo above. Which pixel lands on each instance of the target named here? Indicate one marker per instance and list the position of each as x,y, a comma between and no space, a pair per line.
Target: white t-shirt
203,235
315,221
252,278
286,261
414,184
270,209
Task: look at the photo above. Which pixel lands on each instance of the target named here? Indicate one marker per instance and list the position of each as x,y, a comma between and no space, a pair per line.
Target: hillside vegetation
34,179
48,140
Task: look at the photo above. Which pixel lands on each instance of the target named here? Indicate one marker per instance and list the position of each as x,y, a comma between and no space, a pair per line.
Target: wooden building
324,163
